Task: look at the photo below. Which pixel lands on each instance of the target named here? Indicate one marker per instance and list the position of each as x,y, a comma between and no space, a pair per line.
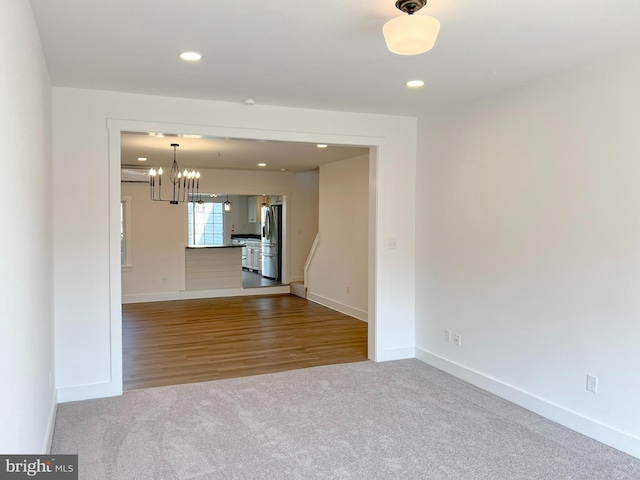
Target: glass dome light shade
411,34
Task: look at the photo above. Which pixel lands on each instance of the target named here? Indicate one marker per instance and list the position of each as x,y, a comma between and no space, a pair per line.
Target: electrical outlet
592,383
392,243
447,336
457,340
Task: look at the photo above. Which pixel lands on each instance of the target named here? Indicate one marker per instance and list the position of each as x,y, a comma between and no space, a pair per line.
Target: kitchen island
213,267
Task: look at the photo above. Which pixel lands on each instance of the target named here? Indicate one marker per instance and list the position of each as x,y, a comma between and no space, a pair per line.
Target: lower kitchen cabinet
254,257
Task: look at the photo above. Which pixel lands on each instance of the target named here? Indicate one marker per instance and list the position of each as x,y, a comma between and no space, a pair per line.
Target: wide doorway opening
194,328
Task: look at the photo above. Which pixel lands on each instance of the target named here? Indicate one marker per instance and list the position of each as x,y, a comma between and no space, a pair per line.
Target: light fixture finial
410,6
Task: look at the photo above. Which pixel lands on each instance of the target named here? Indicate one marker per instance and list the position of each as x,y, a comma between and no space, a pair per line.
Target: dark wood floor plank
185,341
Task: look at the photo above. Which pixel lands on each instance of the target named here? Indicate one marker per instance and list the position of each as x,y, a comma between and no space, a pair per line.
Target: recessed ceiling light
249,101
322,145
262,164
283,169
415,83
142,159
191,56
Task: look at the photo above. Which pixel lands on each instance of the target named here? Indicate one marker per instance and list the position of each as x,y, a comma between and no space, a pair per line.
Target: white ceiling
327,54
229,153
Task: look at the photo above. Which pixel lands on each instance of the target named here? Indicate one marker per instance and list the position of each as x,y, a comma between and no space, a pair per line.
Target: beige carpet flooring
394,420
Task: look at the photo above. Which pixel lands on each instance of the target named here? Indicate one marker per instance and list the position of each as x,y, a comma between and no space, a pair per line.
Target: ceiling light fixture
191,56
227,205
415,83
142,159
411,34
188,182
321,145
262,164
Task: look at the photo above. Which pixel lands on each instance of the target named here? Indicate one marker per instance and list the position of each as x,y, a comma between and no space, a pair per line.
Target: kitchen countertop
215,246
253,236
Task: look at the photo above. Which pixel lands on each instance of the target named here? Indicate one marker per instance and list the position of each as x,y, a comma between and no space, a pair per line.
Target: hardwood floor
185,341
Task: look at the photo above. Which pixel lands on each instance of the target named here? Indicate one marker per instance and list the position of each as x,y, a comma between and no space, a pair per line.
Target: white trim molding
390,354
87,392
48,437
191,294
339,307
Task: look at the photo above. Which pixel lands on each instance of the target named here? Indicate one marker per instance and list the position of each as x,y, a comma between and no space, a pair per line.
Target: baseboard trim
391,354
337,306
233,292
48,437
150,297
193,294
587,426
296,279
87,392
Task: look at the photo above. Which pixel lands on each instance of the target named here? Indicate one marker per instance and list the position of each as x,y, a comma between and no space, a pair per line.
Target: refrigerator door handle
267,223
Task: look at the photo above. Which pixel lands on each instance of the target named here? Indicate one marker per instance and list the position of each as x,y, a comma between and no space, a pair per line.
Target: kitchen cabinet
254,208
251,209
254,256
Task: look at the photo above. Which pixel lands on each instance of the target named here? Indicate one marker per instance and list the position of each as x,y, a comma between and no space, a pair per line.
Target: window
205,224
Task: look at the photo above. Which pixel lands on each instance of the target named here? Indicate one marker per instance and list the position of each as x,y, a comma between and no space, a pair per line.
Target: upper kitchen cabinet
254,204
253,210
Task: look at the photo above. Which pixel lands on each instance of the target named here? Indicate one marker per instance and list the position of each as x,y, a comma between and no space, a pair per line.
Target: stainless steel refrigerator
271,242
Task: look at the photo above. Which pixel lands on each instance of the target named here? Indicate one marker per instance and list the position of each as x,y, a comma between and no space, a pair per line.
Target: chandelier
185,185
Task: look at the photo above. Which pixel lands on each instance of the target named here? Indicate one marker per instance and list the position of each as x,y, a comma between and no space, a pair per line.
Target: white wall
27,401
528,232
87,274
158,230
337,276
305,212
157,237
